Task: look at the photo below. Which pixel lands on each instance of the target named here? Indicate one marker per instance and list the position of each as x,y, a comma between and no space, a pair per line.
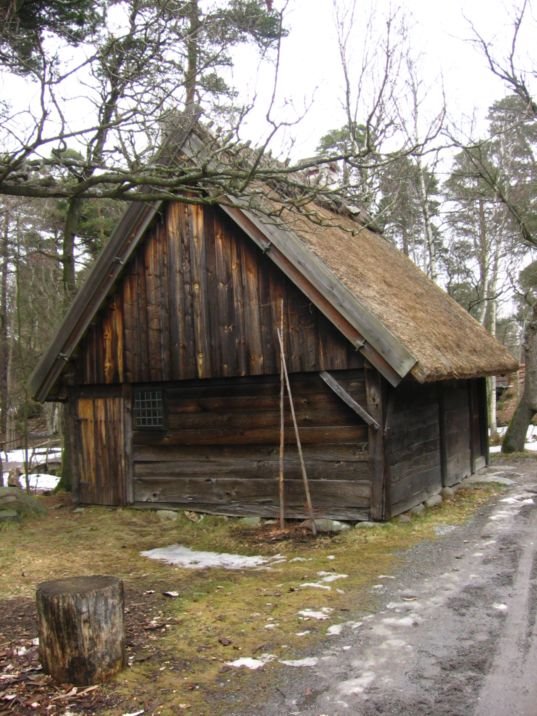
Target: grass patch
180,647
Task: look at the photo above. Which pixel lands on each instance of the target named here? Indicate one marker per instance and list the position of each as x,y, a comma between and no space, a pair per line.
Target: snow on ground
36,456
41,481
182,556
37,481
250,663
531,439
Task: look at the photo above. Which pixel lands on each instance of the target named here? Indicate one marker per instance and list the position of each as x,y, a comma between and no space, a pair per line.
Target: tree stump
81,631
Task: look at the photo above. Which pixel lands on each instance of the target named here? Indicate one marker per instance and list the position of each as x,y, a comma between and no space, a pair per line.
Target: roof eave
327,293
430,375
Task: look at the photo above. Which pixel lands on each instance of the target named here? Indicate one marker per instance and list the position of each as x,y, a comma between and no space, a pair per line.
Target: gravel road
456,634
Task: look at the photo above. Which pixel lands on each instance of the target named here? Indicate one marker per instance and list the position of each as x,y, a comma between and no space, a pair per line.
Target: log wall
219,452
437,437
199,300
457,430
413,450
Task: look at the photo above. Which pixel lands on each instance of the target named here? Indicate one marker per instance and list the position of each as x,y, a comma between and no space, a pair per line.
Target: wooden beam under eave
340,391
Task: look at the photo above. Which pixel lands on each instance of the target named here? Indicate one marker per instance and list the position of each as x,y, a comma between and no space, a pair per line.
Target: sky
310,77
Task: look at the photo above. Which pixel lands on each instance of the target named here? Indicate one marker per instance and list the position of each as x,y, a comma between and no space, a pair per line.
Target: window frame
149,404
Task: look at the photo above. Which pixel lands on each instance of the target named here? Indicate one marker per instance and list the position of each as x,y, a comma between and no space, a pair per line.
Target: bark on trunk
72,222
4,350
66,479
515,436
81,630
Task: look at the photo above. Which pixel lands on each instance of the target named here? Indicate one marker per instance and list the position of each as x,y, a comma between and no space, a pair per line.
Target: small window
148,408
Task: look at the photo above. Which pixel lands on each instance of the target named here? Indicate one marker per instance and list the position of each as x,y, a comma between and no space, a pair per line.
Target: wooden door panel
100,458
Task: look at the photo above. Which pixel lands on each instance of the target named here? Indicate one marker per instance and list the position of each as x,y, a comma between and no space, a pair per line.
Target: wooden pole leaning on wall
297,436
81,629
281,484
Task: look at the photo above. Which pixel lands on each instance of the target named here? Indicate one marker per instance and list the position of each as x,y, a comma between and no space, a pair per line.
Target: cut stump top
77,585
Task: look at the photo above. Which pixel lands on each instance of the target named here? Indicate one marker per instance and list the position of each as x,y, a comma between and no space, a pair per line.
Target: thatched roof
443,337
397,317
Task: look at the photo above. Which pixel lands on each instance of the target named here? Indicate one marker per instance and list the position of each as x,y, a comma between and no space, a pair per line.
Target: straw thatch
442,336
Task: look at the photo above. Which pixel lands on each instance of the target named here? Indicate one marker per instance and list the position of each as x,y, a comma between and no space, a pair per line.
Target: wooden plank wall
457,431
413,446
219,452
199,300
479,420
99,458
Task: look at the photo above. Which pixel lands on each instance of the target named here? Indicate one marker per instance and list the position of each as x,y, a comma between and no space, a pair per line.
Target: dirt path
456,634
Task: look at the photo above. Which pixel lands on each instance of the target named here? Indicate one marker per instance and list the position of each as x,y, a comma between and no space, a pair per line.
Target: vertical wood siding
199,300
479,421
437,437
219,452
99,450
457,431
413,451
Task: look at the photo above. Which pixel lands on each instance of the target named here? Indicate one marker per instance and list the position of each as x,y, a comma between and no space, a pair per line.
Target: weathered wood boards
457,431
100,454
199,300
194,314
436,438
413,448
220,451
81,630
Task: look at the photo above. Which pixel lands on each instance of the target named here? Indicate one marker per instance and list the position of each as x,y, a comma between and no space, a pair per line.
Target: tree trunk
4,349
66,478
515,436
72,223
81,630
432,270
191,76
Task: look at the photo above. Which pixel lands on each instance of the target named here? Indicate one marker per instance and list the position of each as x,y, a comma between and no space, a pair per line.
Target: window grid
148,409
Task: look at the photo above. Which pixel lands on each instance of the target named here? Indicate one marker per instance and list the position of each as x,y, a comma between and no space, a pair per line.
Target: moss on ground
180,657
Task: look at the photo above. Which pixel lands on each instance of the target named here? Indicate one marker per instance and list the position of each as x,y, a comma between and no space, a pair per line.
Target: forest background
92,91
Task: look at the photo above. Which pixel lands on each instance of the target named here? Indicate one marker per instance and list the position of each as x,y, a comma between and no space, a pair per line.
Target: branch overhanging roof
397,317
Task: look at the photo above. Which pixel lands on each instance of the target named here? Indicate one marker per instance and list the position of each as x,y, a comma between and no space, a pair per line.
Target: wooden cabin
169,364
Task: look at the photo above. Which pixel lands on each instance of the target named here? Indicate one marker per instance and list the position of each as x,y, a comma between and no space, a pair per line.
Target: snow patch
320,614
37,481
335,630
307,661
315,585
357,686
403,621
249,663
331,577
518,500
181,556
41,481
